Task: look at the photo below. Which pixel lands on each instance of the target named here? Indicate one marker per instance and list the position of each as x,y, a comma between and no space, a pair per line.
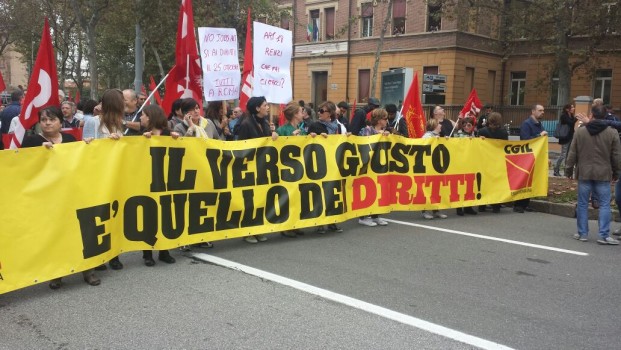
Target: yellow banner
78,205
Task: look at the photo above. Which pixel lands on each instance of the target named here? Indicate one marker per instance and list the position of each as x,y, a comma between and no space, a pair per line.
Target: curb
565,209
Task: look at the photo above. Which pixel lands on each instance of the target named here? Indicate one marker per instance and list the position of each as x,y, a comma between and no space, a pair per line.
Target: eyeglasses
321,110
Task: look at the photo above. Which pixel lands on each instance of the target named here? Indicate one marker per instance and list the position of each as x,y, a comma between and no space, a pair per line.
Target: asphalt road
556,293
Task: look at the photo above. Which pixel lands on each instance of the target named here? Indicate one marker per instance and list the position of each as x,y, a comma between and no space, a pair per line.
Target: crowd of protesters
121,113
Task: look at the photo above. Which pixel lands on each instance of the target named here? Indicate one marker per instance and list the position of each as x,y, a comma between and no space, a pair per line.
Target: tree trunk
380,44
139,60
159,61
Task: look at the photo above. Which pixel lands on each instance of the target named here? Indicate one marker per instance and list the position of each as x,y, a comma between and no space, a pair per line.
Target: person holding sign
379,122
154,121
50,120
327,125
255,124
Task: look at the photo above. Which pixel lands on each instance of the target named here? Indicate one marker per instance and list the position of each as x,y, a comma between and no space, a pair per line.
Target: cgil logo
520,168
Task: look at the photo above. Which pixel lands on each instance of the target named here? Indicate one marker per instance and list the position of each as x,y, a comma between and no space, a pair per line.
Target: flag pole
137,115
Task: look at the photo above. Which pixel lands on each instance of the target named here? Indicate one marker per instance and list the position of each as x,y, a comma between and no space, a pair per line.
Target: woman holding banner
493,130
110,125
293,114
379,122
50,120
327,125
155,123
465,128
255,124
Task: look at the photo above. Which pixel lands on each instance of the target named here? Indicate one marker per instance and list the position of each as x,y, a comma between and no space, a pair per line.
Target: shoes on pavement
334,228
165,257
92,280
617,232
185,248
321,230
482,208
116,264
298,232
203,245
149,261
518,209
580,238
459,211
608,240
380,221
556,173
495,210
251,239
529,209
594,203
427,215
261,238
289,234
440,215
470,211
55,283
367,222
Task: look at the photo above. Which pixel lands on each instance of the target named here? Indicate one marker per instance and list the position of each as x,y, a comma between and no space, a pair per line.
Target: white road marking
560,250
355,303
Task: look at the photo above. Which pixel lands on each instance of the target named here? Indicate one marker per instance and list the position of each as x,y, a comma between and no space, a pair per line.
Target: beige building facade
14,71
334,61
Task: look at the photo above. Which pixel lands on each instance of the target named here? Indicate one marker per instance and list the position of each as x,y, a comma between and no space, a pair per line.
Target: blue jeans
602,190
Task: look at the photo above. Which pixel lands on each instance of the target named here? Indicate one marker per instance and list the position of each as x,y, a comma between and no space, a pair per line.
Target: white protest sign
221,75
272,58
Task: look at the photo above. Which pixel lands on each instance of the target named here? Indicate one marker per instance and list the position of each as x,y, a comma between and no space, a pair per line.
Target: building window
518,82
398,17
313,27
603,82
431,70
364,85
329,13
434,16
367,20
554,90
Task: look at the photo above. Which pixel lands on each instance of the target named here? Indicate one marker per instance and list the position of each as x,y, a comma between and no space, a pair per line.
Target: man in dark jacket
360,116
531,128
397,127
596,153
11,111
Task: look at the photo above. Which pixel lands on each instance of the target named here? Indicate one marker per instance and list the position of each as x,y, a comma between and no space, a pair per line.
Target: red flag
77,97
2,86
153,87
353,111
473,106
247,73
42,88
184,79
281,115
412,110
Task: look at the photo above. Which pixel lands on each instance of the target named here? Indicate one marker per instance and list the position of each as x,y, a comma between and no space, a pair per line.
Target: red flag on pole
353,111
153,87
281,115
247,73
77,97
412,110
2,86
184,79
472,108
42,88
